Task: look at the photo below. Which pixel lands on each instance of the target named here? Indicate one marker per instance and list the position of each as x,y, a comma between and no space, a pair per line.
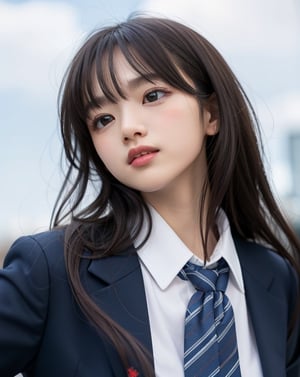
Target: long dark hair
236,178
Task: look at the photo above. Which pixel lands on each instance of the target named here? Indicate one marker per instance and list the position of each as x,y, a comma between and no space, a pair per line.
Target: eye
154,95
102,121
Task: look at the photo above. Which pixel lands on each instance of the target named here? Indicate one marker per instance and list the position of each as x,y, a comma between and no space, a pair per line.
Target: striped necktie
210,346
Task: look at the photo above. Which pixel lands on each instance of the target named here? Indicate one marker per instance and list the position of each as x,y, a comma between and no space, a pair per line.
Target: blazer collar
114,268
267,311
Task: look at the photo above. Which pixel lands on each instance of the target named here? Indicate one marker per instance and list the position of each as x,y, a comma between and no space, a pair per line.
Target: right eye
102,121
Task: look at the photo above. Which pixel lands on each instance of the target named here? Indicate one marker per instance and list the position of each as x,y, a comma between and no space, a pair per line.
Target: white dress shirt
161,258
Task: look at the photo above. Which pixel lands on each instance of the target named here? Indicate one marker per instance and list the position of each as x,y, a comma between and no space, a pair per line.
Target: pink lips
141,155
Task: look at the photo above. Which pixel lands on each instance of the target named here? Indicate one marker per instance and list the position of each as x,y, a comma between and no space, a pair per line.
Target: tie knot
206,279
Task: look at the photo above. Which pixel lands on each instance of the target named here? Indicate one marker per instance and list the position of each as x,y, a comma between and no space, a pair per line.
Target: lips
140,151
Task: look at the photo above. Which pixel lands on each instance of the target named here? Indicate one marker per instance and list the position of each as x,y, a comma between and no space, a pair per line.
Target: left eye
102,121
153,96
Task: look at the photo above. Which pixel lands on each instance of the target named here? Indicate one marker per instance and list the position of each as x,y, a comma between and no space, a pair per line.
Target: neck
182,213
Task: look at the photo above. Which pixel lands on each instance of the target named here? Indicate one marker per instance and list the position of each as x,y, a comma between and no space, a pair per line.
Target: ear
212,116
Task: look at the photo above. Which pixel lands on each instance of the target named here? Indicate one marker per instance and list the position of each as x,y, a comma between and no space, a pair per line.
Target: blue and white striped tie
210,346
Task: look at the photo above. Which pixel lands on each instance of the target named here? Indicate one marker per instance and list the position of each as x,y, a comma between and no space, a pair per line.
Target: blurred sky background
259,39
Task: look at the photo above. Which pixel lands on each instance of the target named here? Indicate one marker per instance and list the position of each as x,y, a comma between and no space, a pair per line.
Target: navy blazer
43,333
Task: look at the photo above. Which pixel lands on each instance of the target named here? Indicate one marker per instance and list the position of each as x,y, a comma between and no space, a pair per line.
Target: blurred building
293,200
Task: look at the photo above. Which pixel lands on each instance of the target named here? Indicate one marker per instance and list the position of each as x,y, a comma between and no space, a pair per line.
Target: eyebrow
131,84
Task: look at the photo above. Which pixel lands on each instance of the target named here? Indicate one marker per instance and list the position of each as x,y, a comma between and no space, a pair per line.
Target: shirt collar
164,254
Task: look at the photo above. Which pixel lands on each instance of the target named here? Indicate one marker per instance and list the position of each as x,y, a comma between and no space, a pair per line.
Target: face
153,140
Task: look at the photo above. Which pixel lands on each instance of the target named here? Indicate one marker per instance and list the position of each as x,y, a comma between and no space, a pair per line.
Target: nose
132,125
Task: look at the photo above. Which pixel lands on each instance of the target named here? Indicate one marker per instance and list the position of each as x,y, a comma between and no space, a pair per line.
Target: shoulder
43,249
45,240
32,274
255,254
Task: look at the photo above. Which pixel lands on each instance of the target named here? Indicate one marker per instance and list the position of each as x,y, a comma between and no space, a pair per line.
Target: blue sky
259,39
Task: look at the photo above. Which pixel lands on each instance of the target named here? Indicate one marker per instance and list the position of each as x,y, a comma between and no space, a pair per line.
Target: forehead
119,76
124,72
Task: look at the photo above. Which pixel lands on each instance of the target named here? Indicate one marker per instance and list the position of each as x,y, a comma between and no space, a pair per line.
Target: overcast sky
259,39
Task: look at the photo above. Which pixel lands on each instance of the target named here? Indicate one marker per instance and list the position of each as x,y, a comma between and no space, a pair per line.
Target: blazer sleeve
293,344
24,292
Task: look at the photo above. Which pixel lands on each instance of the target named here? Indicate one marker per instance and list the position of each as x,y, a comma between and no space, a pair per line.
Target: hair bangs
99,74
146,53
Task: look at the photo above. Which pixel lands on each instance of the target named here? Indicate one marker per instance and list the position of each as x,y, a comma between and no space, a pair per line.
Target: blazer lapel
266,310
116,285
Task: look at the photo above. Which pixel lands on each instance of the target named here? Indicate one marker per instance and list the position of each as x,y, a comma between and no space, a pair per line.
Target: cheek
104,149
181,113
171,116
181,125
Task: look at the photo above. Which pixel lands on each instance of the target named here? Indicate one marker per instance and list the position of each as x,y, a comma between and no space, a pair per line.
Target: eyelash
152,91
101,118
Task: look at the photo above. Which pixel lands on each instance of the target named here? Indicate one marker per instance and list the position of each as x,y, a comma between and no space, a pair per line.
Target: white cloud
36,39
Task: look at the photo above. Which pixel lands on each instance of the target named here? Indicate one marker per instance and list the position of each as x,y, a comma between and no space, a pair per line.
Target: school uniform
43,333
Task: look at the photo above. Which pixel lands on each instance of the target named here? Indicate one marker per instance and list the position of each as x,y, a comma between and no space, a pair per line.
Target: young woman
164,176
